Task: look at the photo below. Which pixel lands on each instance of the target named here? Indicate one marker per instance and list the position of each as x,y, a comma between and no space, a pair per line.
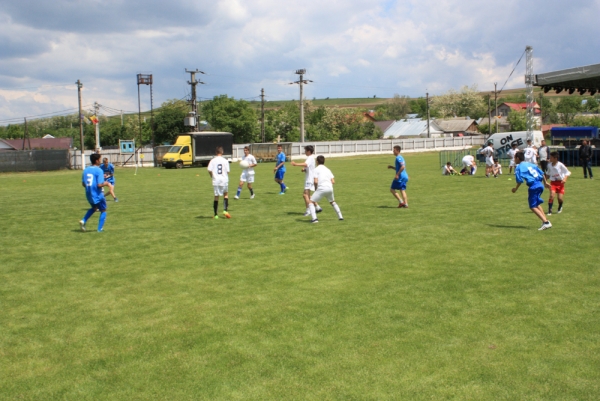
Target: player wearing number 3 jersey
535,180
93,182
218,168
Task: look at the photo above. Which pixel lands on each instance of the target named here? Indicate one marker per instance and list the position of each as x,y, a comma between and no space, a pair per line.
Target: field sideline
457,297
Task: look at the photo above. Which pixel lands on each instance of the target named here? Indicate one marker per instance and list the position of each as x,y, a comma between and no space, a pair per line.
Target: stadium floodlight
558,89
592,92
571,90
547,89
582,90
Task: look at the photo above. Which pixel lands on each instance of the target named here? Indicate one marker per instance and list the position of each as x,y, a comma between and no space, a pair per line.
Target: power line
512,72
36,87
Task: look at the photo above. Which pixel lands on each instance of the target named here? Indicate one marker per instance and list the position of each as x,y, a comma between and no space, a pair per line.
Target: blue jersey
528,173
92,176
399,163
281,159
110,170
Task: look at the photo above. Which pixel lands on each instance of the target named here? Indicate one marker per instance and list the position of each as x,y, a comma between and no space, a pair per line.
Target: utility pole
262,115
301,82
496,104
79,86
193,83
529,90
489,116
26,135
121,118
97,126
427,101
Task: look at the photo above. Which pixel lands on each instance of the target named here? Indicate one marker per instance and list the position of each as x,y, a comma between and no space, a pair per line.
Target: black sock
216,207
226,202
560,205
251,191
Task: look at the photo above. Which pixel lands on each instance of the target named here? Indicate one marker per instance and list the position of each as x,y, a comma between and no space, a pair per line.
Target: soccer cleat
341,218
252,196
101,230
282,193
404,205
314,221
226,214
285,189
116,199
319,210
546,225
559,210
307,213
216,217
236,197
82,225
549,213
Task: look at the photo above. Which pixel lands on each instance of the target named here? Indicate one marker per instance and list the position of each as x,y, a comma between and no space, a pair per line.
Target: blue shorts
111,181
279,175
400,184
100,205
535,196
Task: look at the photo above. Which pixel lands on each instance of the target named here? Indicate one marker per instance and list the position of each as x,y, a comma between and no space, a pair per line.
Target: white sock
313,213
337,210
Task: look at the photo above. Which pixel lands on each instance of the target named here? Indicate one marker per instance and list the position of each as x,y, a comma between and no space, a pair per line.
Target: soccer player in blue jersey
109,176
93,181
279,169
536,181
400,179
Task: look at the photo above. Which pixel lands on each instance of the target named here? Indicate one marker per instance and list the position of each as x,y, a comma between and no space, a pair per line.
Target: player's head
219,150
309,150
490,144
105,160
514,145
495,160
320,160
584,142
95,159
519,157
279,148
553,157
543,142
529,142
448,164
246,150
397,150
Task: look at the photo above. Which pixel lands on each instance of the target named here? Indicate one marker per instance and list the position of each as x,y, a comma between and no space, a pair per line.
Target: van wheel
179,165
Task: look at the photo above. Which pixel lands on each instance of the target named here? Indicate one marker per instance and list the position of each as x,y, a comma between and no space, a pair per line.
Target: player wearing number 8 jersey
535,180
218,169
93,182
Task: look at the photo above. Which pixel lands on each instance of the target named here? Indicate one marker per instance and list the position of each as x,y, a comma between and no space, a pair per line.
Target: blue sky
351,48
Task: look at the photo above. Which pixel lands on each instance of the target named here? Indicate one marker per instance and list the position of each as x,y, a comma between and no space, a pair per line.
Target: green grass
457,297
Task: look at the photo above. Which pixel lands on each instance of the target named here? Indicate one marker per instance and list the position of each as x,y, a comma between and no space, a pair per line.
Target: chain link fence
34,160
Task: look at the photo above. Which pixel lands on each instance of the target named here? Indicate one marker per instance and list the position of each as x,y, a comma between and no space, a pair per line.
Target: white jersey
251,160
310,169
468,160
511,154
219,167
488,152
530,155
324,177
557,172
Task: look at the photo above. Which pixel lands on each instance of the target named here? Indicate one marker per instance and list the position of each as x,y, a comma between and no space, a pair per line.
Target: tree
230,115
168,122
548,110
517,120
591,104
399,107
467,102
568,107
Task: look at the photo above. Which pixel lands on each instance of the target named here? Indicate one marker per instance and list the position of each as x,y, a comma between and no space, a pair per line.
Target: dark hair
495,160
321,159
309,148
448,163
247,147
94,157
514,144
398,148
554,154
219,150
279,145
520,156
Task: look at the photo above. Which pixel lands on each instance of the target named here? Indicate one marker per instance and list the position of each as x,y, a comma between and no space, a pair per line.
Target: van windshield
174,149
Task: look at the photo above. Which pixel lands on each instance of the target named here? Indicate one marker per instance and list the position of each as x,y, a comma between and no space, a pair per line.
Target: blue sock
88,215
101,220
239,191
282,185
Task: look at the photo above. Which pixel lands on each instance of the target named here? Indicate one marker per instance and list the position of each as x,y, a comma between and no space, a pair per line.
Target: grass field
457,297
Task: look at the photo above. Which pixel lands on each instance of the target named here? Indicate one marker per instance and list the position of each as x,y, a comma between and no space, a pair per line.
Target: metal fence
34,160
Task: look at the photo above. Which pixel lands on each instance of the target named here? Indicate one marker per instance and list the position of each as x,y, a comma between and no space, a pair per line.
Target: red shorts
557,187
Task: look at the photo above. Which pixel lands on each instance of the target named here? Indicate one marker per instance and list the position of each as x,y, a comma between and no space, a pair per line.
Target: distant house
5,146
384,125
413,128
503,125
369,116
41,143
506,108
456,126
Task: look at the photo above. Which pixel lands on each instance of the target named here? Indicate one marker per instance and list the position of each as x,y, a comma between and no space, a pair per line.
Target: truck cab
197,149
180,154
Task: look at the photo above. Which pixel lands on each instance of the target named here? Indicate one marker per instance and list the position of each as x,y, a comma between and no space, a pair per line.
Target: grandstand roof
586,77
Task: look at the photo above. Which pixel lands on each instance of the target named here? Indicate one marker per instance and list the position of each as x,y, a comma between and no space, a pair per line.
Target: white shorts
322,192
489,161
512,164
220,190
247,177
309,185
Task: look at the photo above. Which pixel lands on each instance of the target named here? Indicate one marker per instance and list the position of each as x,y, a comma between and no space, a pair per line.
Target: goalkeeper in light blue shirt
109,176
93,182
536,181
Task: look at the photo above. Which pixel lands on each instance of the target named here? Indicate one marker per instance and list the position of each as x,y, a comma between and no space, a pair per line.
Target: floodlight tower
529,90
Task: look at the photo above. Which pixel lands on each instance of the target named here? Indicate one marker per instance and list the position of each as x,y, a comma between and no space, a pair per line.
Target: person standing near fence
279,169
585,155
109,176
544,154
247,174
511,155
92,180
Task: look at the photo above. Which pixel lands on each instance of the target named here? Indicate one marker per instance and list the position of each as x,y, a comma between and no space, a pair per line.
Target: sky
350,48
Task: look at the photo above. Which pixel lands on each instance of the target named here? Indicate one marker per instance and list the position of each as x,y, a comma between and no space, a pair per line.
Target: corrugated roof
384,125
454,124
41,143
412,127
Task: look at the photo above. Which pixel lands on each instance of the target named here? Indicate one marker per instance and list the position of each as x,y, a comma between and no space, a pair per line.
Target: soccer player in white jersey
557,173
218,168
511,155
530,153
324,181
247,174
497,168
469,161
309,184
488,152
